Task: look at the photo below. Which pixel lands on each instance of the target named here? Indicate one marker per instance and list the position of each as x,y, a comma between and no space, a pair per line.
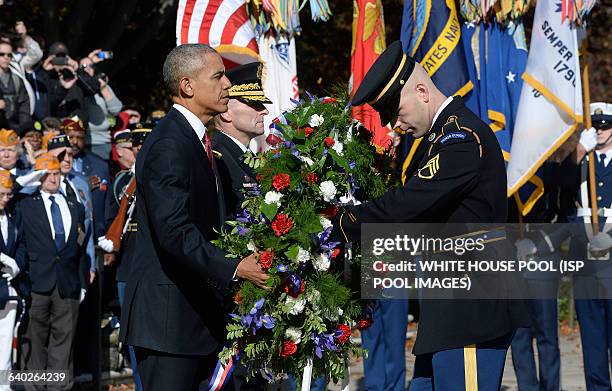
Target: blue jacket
16,249
88,164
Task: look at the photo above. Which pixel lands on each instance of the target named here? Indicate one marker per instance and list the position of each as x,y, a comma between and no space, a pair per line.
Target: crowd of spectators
62,141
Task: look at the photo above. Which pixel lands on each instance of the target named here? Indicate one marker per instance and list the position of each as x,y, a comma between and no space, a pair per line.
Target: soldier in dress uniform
593,283
461,178
120,238
243,121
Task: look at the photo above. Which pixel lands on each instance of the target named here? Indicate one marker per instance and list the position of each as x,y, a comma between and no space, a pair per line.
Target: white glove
588,139
524,248
83,292
32,178
601,242
106,244
10,268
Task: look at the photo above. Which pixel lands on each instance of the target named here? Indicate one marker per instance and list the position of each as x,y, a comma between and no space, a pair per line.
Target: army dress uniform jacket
460,178
178,280
235,175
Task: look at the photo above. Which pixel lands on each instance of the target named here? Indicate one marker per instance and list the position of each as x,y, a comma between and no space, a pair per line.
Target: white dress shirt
4,227
197,125
444,104
63,206
606,159
238,143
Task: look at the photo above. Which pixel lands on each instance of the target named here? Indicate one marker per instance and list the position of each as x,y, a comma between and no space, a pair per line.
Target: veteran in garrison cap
459,177
243,121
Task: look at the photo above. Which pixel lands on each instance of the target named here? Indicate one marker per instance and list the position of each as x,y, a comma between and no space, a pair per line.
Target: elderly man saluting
173,309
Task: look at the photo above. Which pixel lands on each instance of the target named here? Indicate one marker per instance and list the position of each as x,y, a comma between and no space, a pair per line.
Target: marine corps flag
550,106
368,44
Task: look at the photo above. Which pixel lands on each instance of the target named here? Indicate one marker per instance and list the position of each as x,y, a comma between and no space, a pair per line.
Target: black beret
247,83
59,141
383,83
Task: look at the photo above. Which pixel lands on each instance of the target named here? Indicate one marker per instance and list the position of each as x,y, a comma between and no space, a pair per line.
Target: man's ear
422,92
185,87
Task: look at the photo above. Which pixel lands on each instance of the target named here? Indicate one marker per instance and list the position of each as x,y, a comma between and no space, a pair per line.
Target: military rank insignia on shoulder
217,154
430,168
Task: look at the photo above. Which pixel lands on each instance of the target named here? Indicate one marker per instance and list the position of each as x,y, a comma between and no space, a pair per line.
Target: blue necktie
58,224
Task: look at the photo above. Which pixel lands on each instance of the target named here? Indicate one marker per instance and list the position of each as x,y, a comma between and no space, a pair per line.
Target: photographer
58,75
14,100
100,106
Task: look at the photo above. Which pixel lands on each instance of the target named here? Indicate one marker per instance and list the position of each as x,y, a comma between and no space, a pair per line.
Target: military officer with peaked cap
460,178
243,121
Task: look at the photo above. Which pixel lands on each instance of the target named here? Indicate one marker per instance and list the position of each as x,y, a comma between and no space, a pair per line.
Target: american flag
222,24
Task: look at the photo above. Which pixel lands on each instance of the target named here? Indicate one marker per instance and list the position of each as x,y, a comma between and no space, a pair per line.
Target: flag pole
588,125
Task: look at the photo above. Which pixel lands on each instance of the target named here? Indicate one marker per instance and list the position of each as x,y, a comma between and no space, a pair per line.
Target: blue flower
254,320
245,217
242,231
323,342
352,164
282,268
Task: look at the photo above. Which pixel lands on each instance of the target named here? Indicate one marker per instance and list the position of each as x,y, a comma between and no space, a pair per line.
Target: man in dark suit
54,230
14,265
173,309
461,178
243,121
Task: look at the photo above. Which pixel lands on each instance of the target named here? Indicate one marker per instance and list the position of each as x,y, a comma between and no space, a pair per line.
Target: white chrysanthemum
321,262
273,197
251,246
309,162
302,256
293,334
338,147
340,311
296,306
316,120
328,190
325,222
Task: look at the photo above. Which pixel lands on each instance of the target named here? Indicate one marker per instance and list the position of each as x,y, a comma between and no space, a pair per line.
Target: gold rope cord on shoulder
470,368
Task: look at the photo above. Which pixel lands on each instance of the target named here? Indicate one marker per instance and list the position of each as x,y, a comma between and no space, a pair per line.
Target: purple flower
296,102
255,190
244,217
324,243
323,342
255,320
312,97
242,231
352,164
294,283
282,268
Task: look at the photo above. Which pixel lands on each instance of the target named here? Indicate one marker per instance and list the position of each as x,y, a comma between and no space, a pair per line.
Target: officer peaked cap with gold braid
383,83
247,83
140,132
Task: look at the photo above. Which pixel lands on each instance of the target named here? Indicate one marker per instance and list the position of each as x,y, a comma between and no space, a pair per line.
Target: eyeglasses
9,55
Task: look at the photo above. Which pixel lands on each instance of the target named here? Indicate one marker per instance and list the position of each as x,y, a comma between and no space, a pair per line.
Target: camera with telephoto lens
59,59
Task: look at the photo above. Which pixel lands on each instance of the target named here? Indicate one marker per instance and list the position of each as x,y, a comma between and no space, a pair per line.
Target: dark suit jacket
68,268
95,165
235,175
177,281
16,249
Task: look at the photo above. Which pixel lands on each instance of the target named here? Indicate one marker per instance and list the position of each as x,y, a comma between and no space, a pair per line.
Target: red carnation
312,178
293,293
364,323
259,177
335,253
346,333
281,181
265,259
308,131
282,224
329,142
289,349
273,139
329,100
330,212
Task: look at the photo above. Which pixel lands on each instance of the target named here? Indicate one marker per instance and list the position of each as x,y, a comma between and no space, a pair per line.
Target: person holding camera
58,76
100,106
14,100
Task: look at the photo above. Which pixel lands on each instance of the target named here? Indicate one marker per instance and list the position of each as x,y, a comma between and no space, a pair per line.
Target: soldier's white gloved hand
10,268
31,179
524,248
588,139
601,242
106,244
82,297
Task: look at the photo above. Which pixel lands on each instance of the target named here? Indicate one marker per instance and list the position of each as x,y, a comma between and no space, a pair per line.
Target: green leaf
292,253
269,210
